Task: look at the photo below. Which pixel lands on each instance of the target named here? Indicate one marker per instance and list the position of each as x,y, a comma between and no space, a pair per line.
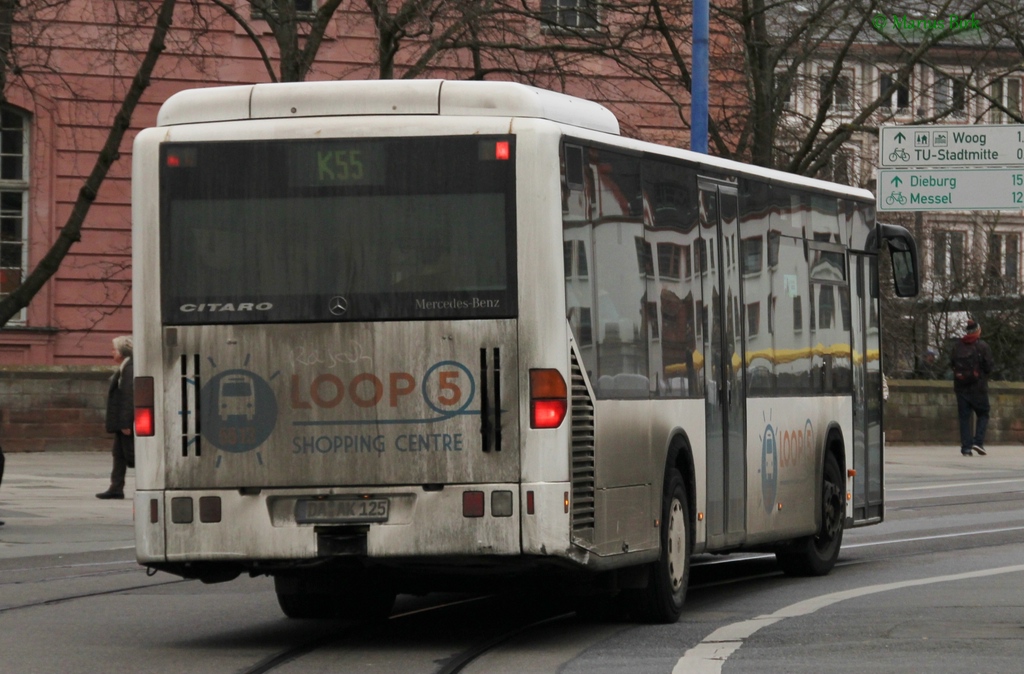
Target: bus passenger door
725,389
867,383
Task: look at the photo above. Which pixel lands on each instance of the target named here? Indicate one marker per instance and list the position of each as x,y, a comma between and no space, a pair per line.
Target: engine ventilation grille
582,458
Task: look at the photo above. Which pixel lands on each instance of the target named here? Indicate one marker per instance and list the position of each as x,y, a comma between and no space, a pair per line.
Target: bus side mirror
904,259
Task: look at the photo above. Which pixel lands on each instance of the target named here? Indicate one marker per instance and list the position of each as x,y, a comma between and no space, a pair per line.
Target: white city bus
406,336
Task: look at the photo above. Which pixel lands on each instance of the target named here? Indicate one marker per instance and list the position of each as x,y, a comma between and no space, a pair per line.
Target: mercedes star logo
338,305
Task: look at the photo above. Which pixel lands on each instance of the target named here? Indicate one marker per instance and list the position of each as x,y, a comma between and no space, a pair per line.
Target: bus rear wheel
816,555
662,600
323,596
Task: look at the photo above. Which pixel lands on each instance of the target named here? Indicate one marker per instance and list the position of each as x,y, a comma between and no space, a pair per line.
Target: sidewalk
908,464
49,505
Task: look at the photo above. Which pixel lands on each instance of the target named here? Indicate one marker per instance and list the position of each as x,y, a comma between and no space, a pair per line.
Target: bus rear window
338,230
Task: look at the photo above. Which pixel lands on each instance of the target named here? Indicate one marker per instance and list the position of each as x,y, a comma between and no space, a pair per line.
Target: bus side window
623,263
674,297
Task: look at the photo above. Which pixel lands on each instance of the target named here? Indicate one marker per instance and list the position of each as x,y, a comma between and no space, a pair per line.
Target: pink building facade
76,64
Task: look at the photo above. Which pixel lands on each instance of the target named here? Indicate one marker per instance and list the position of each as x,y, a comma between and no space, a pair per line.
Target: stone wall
924,412
54,408
61,408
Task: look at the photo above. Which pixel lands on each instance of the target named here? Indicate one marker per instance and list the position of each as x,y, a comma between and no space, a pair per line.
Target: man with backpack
972,362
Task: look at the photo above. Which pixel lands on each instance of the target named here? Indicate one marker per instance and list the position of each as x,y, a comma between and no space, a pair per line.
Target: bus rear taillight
548,400
144,421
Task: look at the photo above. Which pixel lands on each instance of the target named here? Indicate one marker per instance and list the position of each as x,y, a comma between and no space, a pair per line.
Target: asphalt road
938,587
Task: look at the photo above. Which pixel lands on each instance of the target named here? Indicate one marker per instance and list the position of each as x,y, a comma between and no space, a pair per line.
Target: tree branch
71,232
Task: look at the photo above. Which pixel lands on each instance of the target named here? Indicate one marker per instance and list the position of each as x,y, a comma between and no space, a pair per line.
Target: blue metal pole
699,81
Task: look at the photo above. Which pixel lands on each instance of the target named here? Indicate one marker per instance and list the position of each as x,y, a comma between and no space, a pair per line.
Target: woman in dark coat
121,417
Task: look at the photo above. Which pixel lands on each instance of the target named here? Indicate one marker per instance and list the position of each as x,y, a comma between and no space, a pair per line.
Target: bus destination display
336,163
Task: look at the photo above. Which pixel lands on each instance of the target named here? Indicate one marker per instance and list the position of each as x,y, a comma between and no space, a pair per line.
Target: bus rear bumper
310,524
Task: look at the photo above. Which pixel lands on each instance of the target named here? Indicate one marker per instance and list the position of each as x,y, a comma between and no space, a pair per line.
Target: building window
897,100
950,97
1004,258
586,330
753,318
774,240
785,84
644,257
839,164
842,90
948,254
582,269
669,260
844,307
574,169
575,251
1005,92
652,320
304,9
838,169
700,258
13,202
752,251
569,14
826,307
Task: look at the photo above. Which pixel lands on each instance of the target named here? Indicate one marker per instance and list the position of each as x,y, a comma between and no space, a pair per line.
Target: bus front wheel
817,554
662,600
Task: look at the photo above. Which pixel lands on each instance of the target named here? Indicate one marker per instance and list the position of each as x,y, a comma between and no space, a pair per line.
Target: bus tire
320,597
816,555
662,600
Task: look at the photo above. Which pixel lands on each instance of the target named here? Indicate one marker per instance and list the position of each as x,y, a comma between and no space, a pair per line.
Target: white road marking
932,538
709,656
947,486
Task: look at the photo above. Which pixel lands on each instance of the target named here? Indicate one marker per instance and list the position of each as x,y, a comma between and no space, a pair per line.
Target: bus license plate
317,511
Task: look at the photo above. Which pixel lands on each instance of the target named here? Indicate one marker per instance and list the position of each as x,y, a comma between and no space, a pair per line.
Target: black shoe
1,523
980,450
110,494
967,453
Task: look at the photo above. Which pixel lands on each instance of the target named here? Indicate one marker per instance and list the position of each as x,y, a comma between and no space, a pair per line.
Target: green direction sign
952,145
951,189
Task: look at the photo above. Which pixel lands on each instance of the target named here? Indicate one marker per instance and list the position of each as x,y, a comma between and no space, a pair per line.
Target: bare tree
71,232
414,38
298,35
629,52
971,270
800,58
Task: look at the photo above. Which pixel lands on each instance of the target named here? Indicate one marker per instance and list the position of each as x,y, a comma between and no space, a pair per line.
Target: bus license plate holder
341,510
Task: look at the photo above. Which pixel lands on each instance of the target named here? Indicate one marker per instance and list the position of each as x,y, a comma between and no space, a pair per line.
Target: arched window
13,201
